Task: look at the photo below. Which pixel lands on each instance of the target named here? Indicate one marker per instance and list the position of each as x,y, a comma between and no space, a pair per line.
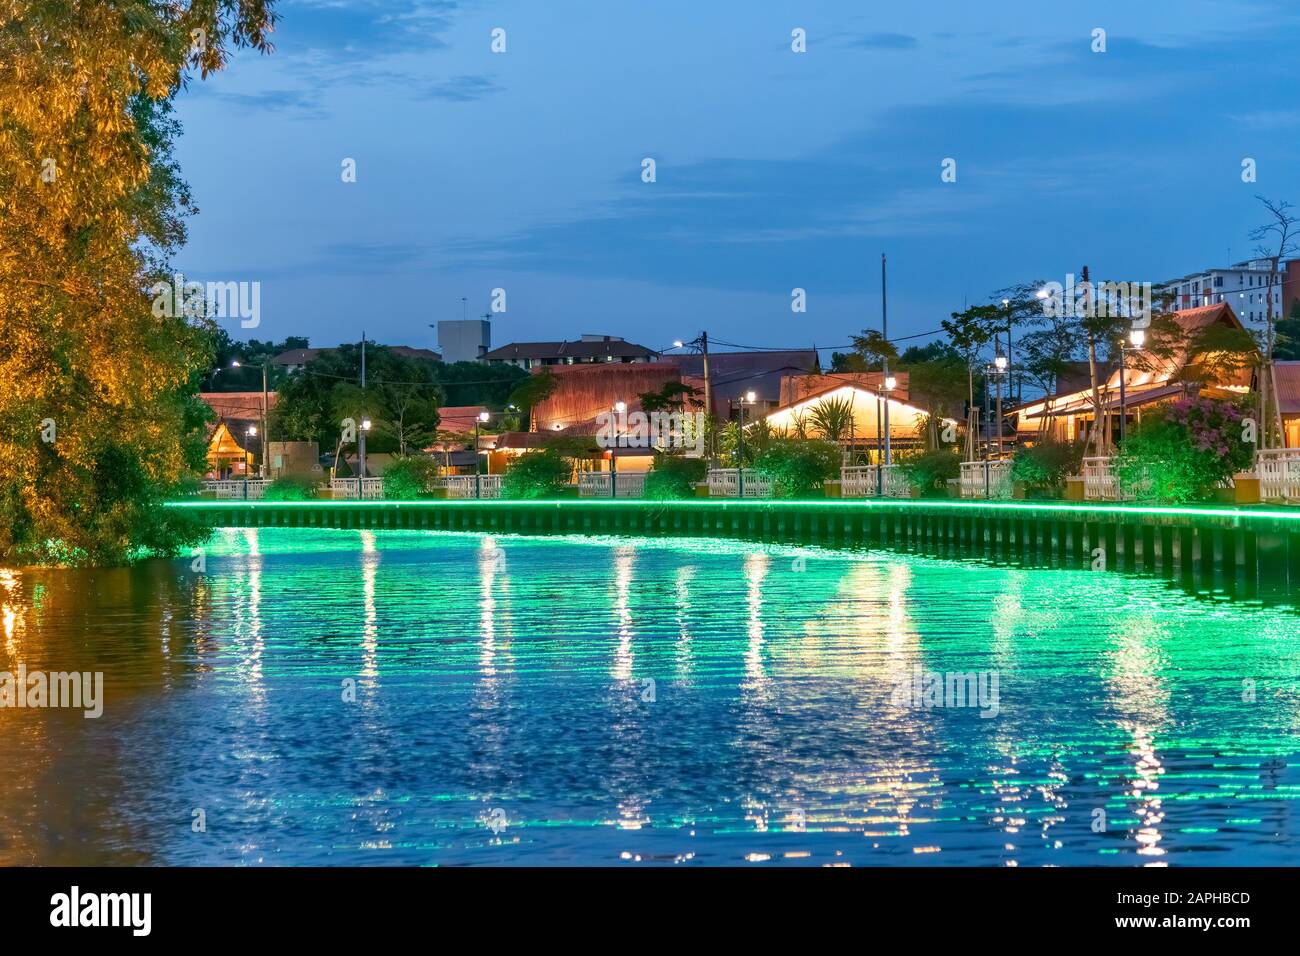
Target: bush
674,477
797,469
537,474
291,488
1045,464
1180,454
928,473
409,478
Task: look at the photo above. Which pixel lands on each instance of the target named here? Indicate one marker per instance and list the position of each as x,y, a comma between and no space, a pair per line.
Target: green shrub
797,469
291,488
674,477
1045,464
409,478
1180,453
537,474
928,473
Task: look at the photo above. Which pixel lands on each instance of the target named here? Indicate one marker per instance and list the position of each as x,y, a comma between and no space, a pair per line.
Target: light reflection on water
616,701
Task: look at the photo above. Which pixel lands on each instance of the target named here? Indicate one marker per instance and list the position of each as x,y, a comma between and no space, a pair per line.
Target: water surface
384,697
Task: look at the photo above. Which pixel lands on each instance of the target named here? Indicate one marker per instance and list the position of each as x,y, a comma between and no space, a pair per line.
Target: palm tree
833,417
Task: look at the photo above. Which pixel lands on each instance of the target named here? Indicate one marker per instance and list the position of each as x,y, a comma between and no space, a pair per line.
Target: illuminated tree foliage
98,419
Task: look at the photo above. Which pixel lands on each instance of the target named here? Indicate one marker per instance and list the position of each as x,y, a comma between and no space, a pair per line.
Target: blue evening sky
775,170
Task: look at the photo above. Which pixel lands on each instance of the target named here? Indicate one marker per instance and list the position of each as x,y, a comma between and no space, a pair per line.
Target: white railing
1279,474
1101,483
238,488
368,489
462,486
986,479
725,483
873,481
596,484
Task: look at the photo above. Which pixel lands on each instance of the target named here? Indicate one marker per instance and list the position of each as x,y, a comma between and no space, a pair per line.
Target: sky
774,170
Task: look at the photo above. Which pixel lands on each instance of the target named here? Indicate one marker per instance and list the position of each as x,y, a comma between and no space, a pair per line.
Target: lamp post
212,377
1137,337
620,407
749,397
361,458
887,385
478,482
250,432
1000,368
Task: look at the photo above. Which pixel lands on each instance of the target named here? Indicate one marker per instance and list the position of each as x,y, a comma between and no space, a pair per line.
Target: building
1149,380
1243,285
232,450
867,403
1291,288
571,414
589,349
733,374
295,360
464,340
1287,377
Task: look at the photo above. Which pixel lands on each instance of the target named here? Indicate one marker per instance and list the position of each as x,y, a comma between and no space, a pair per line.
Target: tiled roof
238,406
1287,375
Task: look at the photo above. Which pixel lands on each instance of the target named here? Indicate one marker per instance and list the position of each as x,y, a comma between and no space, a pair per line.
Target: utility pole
708,396
884,332
361,430
265,436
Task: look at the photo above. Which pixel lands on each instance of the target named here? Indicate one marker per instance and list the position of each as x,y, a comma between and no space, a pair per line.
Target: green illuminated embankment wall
1245,552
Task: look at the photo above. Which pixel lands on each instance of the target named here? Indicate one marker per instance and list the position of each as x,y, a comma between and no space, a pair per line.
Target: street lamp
251,433
886,386
749,397
1136,337
1000,365
212,378
619,407
478,482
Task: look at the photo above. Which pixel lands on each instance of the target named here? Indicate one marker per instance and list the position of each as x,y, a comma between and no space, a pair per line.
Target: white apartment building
1243,285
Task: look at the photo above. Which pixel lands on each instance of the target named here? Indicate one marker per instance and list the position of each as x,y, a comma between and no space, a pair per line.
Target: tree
671,397
833,417
1286,345
401,399
1277,241
530,393
938,386
99,422
473,383
969,331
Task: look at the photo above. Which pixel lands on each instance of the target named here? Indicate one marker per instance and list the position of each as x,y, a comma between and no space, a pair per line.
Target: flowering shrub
1185,450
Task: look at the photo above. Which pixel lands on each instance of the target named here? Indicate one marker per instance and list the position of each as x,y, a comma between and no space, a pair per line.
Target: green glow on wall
758,504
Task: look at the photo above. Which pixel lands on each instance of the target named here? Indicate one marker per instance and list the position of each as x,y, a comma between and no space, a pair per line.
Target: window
1218,282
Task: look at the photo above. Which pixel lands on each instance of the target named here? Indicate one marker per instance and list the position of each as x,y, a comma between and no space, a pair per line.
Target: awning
1110,401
